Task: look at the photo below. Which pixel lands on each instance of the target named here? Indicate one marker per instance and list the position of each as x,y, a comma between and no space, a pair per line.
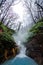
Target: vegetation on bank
35,43
8,47
6,29
38,27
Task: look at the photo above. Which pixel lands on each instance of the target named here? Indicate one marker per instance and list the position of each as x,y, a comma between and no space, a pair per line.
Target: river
25,18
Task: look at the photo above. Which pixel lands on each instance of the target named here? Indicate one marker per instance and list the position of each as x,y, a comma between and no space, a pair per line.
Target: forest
11,24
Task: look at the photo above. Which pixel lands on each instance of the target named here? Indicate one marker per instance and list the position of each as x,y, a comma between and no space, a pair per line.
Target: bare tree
2,2
5,11
5,16
38,11
39,4
29,6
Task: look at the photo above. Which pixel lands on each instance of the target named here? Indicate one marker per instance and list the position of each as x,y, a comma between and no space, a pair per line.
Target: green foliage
36,27
6,36
6,40
6,29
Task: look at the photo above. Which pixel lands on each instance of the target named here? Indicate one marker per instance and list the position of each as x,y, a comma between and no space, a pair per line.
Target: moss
38,27
6,42
5,36
6,29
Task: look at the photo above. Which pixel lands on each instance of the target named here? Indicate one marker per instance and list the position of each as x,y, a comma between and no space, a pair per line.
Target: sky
18,12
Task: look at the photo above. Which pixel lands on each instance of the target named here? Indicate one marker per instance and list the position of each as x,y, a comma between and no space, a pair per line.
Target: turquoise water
20,61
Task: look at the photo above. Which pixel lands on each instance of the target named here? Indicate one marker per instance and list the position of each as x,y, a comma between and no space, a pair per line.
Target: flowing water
21,34
21,58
